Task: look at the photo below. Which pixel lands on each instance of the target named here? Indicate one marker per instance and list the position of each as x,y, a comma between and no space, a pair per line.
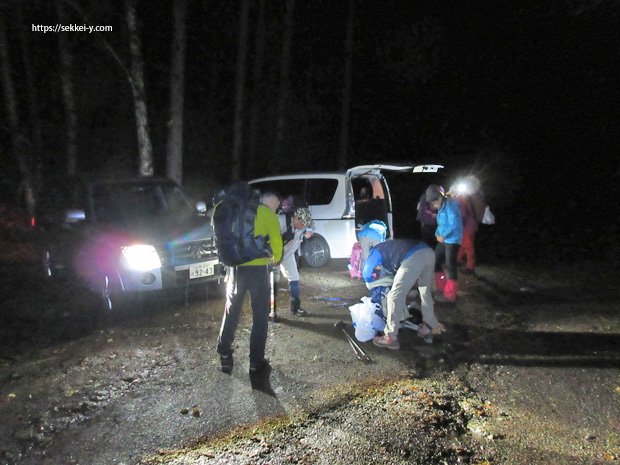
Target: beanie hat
303,214
434,192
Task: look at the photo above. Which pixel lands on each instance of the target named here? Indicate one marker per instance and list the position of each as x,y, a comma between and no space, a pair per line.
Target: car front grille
188,252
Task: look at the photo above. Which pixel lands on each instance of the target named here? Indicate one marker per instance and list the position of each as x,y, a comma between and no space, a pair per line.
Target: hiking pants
420,267
255,280
445,256
468,250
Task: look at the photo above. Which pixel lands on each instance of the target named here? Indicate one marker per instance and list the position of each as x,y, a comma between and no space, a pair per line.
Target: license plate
200,270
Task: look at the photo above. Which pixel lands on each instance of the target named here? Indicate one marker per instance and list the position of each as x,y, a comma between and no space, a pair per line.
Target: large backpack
479,205
355,261
233,225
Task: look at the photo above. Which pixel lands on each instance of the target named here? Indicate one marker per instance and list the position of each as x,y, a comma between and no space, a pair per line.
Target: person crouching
409,261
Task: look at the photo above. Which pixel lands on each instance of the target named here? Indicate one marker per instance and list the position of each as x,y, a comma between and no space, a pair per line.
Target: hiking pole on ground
359,352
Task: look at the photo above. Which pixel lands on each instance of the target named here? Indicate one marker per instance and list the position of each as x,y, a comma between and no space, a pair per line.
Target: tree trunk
66,65
345,113
174,158
35,120
145,148
258,96
18,142
284,80
242,51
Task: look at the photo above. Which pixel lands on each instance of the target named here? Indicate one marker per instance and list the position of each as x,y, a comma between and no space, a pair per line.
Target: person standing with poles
252,277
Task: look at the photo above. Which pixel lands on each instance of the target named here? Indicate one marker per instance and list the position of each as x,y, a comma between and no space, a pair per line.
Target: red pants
468,250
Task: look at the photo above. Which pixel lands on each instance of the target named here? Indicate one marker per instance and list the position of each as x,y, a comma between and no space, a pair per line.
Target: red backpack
355,261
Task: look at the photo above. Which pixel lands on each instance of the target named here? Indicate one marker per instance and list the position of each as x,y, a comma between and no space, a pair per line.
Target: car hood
164,230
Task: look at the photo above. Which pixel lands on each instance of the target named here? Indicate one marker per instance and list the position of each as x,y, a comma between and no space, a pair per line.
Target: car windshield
127,202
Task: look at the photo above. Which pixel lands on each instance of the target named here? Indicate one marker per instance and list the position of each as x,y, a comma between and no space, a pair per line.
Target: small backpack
233,225
355,261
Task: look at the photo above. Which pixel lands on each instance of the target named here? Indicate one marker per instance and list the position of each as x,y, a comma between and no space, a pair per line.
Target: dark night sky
525,93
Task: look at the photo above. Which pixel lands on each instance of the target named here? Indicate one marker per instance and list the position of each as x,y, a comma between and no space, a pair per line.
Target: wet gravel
528,372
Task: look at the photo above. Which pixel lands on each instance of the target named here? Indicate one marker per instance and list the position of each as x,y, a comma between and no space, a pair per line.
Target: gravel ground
528,372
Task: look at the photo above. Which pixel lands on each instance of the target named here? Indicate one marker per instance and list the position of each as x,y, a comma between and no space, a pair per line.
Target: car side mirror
201,207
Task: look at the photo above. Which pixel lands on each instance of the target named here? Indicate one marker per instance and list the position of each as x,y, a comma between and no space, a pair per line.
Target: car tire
316,252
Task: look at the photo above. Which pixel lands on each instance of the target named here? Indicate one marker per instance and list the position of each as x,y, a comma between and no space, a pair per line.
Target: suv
340,202
131,236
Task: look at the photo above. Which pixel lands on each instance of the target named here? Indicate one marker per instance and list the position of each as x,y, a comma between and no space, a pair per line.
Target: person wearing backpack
251,277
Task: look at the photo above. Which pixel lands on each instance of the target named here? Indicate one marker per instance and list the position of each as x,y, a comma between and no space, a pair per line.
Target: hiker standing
301,223
252,277
408,261
449,234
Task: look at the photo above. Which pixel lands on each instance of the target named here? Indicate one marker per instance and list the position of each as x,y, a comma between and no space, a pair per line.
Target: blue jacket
449,222
375,229
389,255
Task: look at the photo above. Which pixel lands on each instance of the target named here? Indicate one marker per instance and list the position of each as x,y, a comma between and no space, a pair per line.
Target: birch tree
145,148
174,152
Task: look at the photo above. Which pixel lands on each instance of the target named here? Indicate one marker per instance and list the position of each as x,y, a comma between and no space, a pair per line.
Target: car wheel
316,251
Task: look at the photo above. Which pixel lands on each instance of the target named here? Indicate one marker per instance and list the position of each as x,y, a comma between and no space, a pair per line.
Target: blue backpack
233,225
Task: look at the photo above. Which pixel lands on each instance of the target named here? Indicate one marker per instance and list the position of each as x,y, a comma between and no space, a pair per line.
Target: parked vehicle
340,202
126,237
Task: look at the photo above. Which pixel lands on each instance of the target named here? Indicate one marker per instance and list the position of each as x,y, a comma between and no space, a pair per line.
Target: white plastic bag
489,217
362,317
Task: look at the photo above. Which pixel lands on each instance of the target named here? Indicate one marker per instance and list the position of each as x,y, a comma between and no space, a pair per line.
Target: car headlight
141,257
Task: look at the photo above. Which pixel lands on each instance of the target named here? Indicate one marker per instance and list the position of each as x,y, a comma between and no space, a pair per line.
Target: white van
340,201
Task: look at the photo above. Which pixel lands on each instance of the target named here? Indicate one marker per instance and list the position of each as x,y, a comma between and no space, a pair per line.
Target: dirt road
529,372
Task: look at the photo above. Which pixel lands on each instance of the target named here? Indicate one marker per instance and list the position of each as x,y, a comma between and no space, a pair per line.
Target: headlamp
141,257
462,188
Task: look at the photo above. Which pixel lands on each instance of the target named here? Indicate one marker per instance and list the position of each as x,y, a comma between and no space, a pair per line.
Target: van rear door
379,204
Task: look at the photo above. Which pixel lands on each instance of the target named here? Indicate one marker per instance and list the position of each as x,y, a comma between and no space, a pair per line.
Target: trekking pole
273,316
359,352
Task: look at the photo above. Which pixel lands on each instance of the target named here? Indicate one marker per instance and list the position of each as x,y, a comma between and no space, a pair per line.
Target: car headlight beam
141,257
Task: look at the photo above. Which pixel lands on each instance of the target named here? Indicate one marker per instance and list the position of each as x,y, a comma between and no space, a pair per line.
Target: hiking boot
299,312
389,342
273,317
426,333
226,363
261,368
